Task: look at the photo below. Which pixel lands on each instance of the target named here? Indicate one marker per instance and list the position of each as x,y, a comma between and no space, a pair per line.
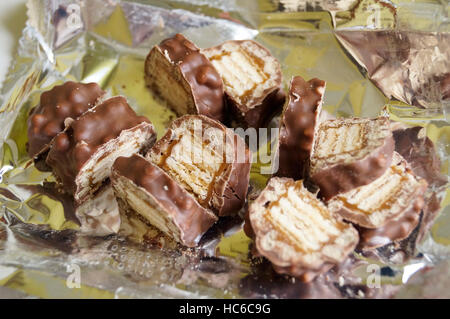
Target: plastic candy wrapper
375,55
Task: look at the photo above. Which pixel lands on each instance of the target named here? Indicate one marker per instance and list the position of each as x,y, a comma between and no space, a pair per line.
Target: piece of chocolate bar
81,156
209,160
296,231
298,126
179,73
160,200
99,215
387,209
66,101
252,80
349,153
395,192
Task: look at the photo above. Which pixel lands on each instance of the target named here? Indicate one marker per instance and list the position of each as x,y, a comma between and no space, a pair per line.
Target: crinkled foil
375,55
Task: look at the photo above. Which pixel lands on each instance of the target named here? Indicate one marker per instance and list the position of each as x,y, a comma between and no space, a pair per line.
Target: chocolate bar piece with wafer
63,102
159,200
298,126
209,160
181,75
82,155
296,232
349,153
386,198
252,80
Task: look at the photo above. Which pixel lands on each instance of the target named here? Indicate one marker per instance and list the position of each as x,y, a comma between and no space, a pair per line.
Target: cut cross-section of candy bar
299,123
252,79
349,153
390,206
209,160
81,156
296,231
180,74
160,200
62,102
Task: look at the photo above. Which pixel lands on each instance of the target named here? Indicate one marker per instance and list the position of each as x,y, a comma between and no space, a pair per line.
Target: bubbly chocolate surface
72,148
68,100
205,82
298,125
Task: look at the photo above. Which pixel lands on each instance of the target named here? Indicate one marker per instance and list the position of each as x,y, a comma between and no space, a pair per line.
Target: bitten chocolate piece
252,80
299,122
209,160
349,153
81,157
66,101
180,74
159,200
296,231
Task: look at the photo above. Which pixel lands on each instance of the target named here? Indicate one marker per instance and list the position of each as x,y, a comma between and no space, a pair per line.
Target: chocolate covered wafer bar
349,153
252,80
62,102
390,196
299,122
296,231
160,200
179,73
81,156
209,160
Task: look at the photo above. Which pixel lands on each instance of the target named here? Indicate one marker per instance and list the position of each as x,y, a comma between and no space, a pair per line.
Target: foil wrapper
376,56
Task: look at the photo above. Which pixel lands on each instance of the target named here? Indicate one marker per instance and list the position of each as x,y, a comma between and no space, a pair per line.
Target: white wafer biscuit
349,153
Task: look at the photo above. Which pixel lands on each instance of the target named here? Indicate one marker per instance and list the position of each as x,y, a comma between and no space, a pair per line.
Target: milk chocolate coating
205,82
424,162
46,120
261,114
232,187
394,230
342,178
192,219
72,148
282,263
298,125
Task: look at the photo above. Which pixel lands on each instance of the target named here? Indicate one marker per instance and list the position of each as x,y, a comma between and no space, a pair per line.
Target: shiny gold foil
40,238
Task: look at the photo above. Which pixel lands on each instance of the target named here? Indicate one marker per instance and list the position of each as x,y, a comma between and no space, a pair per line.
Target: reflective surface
108,42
